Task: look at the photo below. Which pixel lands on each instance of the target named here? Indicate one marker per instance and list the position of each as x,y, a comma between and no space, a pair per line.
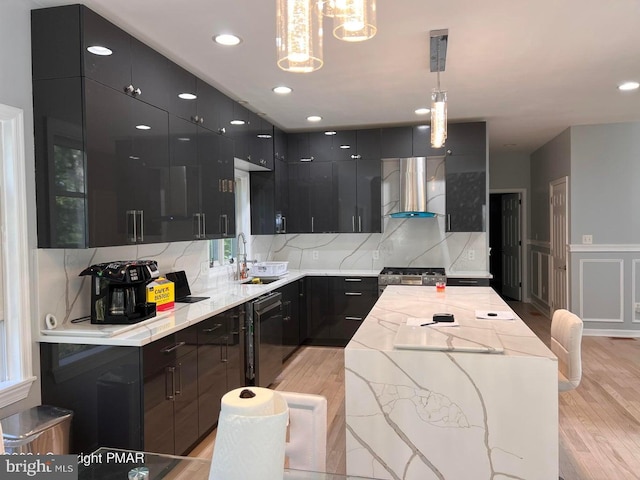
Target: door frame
524,236
559,181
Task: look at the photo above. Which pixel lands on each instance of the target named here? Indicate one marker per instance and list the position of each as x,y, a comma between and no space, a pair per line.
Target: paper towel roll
251,436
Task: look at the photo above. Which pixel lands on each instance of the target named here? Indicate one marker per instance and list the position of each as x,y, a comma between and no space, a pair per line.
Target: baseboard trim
610,332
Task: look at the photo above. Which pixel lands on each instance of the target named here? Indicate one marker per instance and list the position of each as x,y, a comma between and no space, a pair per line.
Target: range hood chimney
413,189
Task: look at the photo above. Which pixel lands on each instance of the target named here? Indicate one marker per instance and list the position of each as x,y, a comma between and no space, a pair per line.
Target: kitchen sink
263,281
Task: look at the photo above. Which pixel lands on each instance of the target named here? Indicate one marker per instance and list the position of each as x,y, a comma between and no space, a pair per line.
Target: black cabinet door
62,192
149,75
290,318
159,428
422,142
369,196
260,141
240,131
212,371
183,95
281,174
108,148
320,147
299,220
396,142
368,144
112,69
466,192
318,299
147,169
344,145
298,147
345,178
227,219
186,402
263,193
183,215
235,352
321,198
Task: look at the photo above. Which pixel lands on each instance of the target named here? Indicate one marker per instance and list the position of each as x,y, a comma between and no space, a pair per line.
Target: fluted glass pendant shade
438,118
299,35
354,20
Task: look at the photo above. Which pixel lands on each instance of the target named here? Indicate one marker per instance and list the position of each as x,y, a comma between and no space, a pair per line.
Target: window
16,374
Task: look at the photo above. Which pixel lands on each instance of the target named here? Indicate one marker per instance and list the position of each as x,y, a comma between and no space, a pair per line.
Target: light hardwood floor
599,421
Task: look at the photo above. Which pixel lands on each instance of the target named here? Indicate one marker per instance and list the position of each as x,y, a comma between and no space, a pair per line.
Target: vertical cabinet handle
359,223
132,226
141,230
312,230
171,384
448,222
353,223
197,226
284,224
204,225
179,372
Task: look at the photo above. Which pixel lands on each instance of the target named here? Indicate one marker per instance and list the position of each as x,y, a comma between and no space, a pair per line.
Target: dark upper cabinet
311,190
260,141
299,147
240,130
344,145
270,193
466,177
396,142
421,142
73,41
102,165
368,144
358,185
183,93
215,157
320,147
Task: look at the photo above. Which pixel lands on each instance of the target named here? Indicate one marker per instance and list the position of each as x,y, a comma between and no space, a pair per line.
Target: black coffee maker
118,291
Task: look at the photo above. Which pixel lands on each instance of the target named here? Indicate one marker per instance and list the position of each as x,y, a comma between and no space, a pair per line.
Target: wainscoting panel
635,291
601,290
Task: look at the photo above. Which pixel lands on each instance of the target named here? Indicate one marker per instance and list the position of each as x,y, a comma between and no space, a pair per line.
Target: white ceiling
529,68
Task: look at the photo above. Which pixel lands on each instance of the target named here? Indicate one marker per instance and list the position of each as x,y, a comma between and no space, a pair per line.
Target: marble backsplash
404,242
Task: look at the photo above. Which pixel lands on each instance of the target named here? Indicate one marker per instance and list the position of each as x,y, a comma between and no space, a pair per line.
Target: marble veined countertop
181,316
398,304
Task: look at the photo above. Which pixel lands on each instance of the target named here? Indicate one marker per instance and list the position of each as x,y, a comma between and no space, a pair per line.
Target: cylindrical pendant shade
354,20
438,118
299,40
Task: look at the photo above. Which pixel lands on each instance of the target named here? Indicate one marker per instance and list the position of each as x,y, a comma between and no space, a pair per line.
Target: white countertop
181,316
379,331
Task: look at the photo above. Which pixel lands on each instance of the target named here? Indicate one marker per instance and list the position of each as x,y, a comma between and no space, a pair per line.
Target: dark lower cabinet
162,397
290,318
336,307
220,363
171,393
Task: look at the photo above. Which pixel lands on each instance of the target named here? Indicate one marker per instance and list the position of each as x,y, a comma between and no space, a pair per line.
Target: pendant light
299,35
353,20
438,52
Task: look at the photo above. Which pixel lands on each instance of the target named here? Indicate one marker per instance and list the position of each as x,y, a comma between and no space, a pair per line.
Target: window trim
15,245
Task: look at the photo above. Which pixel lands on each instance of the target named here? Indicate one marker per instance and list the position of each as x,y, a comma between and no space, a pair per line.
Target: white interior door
511,245
558,233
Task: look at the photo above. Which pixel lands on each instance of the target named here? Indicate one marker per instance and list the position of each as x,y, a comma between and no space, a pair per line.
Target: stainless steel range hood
417,184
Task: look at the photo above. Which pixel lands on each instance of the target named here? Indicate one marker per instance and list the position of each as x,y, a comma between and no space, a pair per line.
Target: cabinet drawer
468,282
356,284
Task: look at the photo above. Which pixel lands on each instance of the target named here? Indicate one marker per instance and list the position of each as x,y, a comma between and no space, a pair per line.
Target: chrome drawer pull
353,294
359,319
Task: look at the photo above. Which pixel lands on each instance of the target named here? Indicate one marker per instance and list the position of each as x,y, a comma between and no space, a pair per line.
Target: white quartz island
428,410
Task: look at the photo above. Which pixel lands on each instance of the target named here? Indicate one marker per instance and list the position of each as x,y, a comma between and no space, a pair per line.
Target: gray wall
15,90
509,170
549,162
605,200
605,170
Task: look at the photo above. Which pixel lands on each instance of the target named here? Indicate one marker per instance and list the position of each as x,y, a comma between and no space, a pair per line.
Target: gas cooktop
411,276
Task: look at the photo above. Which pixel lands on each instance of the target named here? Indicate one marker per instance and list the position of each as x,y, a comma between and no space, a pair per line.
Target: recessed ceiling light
282,90
314,118
187,96
626,86
422,111
424,127
330,132
227,39
143,127
99,50
237,122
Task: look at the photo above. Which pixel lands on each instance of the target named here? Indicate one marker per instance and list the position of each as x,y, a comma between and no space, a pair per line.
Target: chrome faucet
242,257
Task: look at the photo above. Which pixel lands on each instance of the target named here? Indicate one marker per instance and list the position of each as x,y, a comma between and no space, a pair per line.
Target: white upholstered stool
566,339
307,445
